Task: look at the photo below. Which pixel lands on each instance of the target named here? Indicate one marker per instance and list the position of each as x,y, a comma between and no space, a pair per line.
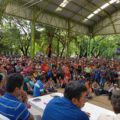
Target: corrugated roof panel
58,2
98,3
89,23
117,5
84,12
78,18
110,9
80,2
96,18
42,4
73,7
65,13
77,10
91,7
51,7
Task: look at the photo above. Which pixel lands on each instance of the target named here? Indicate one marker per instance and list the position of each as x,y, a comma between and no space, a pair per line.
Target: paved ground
101,101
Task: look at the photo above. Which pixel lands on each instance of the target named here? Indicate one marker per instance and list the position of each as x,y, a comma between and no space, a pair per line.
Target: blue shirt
61,108
12,108
38,88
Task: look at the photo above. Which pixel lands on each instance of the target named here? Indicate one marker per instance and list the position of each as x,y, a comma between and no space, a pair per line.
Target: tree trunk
58,49
50,49
33,39
62,51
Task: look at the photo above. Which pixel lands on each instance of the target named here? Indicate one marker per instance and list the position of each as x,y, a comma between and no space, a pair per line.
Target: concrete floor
101,101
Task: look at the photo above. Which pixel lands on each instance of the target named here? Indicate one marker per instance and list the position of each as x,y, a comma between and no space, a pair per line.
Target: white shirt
109,117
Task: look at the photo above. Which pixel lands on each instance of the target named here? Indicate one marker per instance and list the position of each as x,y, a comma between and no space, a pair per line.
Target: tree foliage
15,38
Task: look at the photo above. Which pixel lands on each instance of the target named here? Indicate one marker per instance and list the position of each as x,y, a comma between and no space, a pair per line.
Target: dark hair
14,80
39,77
74,89
115,100
1,77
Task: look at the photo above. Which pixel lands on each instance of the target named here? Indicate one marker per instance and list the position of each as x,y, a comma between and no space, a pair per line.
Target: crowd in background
43,75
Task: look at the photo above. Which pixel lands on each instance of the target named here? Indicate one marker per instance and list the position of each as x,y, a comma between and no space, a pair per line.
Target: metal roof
84,16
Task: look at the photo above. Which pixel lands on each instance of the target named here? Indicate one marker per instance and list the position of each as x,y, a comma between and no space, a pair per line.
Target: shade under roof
80,14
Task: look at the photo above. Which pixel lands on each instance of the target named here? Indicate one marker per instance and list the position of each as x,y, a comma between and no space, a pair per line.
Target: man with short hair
10,105
68,107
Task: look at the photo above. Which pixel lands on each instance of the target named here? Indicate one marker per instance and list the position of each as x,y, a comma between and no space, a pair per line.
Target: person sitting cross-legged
69,106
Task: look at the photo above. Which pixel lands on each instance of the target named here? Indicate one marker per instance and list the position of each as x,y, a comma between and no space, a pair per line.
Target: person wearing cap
69,106
115,101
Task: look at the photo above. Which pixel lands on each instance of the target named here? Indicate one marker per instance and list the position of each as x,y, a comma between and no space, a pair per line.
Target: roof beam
112,5
68,10
88,10
109,16
80,6
51,13
102,27
3,5
16,9
106,23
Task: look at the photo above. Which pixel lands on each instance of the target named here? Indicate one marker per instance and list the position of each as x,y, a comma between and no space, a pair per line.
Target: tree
16,34
50,34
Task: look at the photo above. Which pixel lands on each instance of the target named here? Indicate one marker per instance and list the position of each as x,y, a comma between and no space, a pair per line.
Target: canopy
96,17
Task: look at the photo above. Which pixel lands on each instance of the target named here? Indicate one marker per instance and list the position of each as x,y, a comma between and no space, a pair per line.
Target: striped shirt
12,108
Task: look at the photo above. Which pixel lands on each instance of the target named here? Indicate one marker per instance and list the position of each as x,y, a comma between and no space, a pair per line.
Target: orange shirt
45,67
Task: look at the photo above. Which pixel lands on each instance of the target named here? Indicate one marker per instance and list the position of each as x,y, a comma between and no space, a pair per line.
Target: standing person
68,107
115,100
10,105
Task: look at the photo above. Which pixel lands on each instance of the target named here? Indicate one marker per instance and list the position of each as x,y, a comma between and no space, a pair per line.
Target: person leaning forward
69,106
10,105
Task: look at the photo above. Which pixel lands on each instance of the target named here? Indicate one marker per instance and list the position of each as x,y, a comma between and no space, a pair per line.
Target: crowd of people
43,75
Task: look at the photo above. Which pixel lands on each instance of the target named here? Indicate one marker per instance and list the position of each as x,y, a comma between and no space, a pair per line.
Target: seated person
98,90
28,83
50,85
68,107
115,100
112,88
39,86
62,81
10,105
89,88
